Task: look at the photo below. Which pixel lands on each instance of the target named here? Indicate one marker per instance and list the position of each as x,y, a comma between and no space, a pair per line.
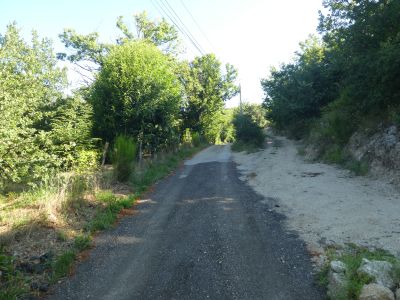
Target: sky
253,35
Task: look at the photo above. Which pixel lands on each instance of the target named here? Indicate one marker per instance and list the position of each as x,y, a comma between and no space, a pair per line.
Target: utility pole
240,99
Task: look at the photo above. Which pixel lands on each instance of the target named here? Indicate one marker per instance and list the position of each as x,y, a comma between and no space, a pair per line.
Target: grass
301,151
12,283
336,155
154,171
62,265
73,208
352,257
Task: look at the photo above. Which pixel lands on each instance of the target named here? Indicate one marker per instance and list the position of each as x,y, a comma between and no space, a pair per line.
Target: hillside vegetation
345,79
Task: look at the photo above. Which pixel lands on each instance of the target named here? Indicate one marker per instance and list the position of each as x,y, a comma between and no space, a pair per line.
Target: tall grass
125,150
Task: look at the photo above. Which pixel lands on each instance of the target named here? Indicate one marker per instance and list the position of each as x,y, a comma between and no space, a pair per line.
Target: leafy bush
196,139
349,75
125,150
247,130
187,137
87,160
139,82
41,132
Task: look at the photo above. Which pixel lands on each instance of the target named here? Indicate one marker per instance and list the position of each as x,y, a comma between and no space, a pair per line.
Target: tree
298,91
40,130
161,34
206,90
136,93
88,53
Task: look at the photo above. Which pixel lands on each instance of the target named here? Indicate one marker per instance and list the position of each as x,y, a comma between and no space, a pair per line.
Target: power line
162,13
162,10
197,24
183,24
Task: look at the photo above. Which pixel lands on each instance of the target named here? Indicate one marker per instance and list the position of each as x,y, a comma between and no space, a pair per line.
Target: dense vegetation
137,87
248,122
343,80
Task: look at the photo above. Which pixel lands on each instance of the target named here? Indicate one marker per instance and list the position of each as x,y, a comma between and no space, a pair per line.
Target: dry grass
48,219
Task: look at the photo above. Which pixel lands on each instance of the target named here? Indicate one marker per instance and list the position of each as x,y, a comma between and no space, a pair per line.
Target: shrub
125,150
196,139
187,137
88,160
247,130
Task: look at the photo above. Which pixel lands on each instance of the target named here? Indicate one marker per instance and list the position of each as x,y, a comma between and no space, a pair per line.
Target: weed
82,242
62,265
352,257
301,151
357,167
61,236
105,196
124,156
12,283
334,155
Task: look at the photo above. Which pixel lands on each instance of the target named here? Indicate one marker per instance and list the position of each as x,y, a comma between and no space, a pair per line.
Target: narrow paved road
202,234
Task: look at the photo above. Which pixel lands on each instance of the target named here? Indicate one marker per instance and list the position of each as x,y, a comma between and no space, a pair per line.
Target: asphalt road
202,234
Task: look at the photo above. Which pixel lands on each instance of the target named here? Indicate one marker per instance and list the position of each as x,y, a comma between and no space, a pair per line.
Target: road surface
202,234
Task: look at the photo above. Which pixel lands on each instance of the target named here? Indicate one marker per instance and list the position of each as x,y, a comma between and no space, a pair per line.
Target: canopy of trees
349,74
136,86
40,130
137,93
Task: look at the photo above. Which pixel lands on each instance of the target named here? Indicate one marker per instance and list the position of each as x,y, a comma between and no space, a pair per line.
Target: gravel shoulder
324,204
201,234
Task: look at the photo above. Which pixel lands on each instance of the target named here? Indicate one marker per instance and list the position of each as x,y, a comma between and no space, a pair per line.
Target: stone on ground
375,291
379,270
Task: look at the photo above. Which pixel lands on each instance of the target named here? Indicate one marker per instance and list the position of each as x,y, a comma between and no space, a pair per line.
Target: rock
390,137
25,268
338,266
44,287
375,291
398,294
379,270
46,257
336,284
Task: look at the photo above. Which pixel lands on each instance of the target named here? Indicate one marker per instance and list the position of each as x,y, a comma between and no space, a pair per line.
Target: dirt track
324,204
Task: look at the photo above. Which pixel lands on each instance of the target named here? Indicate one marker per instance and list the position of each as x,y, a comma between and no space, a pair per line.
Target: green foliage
196,139
82,242
70,128
12,283
187,137
256,111
218,127
206,90
161,34
86,161
299,90
40,131
125,150
138,84
62,265
247,131
338,83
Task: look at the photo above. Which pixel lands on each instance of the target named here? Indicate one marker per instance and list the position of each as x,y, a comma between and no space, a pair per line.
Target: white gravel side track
323,203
